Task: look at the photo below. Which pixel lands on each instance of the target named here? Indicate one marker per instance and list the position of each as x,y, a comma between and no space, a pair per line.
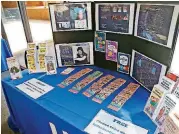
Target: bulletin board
126,43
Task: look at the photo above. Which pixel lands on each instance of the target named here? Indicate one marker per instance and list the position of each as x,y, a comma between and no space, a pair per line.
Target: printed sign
34,88
104,123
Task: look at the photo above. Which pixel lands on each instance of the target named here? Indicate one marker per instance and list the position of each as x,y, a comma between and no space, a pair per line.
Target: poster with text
115,17
70,16
123,62
74,54
111,50
100,41
145,70
156,23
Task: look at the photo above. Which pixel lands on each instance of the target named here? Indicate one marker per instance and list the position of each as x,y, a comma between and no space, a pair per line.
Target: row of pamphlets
162,101
38,60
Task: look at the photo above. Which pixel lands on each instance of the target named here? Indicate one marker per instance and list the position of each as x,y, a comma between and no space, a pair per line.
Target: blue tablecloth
5,53
69,112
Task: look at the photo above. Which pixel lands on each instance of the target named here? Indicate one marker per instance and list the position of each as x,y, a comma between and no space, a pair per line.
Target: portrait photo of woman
81,55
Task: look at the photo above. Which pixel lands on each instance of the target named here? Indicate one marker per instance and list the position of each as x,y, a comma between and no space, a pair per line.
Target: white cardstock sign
167,83
34,88
104,123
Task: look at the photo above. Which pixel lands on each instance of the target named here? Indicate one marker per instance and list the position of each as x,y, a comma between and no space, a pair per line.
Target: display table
67,111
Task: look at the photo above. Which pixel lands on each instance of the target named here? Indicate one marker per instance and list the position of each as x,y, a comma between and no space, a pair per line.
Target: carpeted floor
4,110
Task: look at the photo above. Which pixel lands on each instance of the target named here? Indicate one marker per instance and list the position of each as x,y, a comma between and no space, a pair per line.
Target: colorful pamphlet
75,89
168,103
50,65
97,86
109,89
74,77
123,62
14,68
100,41
67,71
123,96
158,93
111,50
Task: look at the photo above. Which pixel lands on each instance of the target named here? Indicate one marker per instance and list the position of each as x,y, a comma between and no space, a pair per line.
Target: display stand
125,43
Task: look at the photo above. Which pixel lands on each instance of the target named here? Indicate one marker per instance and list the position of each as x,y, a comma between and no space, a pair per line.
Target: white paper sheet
104,123
34,88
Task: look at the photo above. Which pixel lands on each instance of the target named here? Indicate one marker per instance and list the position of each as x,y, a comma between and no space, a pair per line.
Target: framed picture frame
75,54
156,22
115,17
70,16
145,70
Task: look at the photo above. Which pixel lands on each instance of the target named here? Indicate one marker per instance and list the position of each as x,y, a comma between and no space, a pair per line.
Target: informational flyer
156,22
123,62
100,41
145,70
111,50
34,88
75,54
14,68
104,123
115,17
71,16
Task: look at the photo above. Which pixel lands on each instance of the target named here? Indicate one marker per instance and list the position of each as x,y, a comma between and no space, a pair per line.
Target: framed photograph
100,41
115,17
156,23
145,70
70,16
123,62
111,50
74,54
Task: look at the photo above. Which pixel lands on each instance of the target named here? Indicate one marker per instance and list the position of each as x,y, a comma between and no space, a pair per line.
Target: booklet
50,65
155,99
111,50
14,68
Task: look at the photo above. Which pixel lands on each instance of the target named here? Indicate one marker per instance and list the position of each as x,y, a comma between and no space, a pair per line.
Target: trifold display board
125,42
